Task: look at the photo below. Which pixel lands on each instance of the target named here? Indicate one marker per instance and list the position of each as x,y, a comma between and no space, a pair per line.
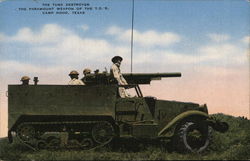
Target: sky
207,41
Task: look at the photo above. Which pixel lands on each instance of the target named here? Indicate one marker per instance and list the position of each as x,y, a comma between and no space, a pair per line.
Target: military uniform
116,72
75,81
86,71
74,78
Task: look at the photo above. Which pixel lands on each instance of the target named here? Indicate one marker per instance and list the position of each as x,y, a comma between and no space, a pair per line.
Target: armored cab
91,115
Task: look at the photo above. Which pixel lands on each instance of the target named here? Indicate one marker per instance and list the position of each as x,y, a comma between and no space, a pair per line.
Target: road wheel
86,143
41,144
53,142
26,132
103,132
192,137
73,143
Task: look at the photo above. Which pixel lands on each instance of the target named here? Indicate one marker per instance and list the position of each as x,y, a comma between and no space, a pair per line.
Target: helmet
86,71
115,58
73,72
25,78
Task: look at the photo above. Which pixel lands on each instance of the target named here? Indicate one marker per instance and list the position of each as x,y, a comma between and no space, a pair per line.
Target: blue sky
178,16
191,19
208,41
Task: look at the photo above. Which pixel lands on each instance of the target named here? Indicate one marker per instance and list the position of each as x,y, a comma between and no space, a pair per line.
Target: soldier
25,80
116,72
74,78
86,71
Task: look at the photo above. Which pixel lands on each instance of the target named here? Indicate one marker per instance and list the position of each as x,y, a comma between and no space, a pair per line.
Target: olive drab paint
89,116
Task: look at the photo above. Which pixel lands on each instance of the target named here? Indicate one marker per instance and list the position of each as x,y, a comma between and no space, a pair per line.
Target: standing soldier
25,80
74,78
116,73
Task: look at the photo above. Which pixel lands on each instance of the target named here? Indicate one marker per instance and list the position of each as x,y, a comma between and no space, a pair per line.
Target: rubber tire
181,141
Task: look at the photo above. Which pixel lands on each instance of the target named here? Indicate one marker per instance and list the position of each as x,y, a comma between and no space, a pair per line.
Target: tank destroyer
92,115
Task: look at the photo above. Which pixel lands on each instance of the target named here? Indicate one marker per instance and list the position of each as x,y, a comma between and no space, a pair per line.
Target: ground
232,145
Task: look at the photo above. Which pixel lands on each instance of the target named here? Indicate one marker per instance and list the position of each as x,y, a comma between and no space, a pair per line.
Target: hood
166,110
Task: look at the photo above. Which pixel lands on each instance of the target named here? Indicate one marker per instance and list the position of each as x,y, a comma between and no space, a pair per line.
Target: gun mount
131,78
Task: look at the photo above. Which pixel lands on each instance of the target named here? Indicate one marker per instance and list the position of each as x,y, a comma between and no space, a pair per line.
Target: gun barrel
146,78
131,78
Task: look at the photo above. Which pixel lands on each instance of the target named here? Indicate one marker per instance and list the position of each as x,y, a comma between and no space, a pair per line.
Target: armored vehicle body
91,115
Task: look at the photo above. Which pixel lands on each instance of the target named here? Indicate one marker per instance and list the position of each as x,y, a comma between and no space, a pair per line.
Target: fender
180,117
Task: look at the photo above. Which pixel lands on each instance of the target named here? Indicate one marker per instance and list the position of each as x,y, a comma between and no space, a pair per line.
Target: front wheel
192,137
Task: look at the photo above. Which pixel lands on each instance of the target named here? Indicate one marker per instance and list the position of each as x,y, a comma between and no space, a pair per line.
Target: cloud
218,37
2,37
84,27
76,50
22,68
176,58
148,38
224,53
50,33
214,54
164,56
114,30
54,42
246,40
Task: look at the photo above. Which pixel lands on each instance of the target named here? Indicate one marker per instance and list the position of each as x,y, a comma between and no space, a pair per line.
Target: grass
232,145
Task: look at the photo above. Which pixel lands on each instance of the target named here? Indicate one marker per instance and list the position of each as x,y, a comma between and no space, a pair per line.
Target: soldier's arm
81,82
116,74
123,80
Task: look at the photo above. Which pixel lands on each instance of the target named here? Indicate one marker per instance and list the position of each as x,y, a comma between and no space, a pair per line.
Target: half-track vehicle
92,115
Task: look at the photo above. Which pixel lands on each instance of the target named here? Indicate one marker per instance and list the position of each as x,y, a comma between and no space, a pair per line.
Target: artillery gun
90,116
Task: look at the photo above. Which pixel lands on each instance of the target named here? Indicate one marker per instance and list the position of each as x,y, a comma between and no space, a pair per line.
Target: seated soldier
86,71
25,80
74,78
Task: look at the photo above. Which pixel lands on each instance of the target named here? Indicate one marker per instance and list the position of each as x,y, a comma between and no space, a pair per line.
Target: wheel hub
26,132
103,132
